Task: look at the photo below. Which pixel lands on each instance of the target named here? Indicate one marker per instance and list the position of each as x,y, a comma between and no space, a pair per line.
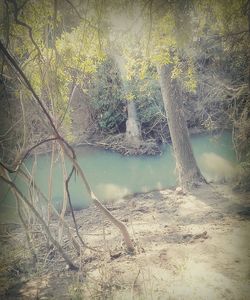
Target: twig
36,213
26,26
31,248
72,156
76,245
134,283
25,155
79,16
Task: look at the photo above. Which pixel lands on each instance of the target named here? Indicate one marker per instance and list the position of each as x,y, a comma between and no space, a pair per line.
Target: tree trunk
189,174
133,130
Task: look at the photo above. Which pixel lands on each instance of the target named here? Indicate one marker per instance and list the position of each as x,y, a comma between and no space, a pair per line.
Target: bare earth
193,246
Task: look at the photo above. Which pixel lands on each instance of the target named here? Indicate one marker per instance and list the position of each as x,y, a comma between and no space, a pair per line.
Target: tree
221,49
188,171
133,130
50,77
177,35
106,98
167,40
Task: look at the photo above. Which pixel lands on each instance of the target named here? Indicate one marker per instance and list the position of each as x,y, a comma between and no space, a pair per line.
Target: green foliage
150,110
109,94
52,58
142,86
222,17
162,39
79,51
106,95
201,39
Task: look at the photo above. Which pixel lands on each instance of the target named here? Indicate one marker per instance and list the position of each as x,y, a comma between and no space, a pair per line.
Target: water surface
113,176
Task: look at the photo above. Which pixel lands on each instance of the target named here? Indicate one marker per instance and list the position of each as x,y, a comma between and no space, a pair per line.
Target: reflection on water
110,191
113,176
217,168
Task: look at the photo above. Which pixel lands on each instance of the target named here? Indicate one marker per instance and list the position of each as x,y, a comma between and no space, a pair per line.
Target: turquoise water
113,176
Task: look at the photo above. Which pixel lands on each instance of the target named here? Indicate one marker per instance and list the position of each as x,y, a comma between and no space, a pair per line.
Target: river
112,176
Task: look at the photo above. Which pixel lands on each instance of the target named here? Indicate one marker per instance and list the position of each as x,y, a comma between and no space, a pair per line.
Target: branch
227,35
71,206
72,156
8,22
36,213
25,25
79,16
32,182
25,155
68,104
23,76
17,68
26,229
22,5
112,218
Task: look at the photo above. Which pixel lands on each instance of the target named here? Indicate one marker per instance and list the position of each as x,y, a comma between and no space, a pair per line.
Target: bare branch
80,17
31,248
26,154
26,26
23,76
71,155
36,213
29,179
68,104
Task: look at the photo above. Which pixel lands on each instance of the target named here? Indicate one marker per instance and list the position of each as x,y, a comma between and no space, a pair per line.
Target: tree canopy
123,75
110,51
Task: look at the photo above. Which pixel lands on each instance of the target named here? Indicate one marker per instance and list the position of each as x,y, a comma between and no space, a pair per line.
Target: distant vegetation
127,75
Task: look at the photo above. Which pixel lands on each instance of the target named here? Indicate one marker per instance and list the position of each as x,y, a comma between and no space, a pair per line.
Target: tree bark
133,130
189,174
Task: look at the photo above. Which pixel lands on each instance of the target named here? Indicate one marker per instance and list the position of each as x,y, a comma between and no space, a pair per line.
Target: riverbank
117,143
192,246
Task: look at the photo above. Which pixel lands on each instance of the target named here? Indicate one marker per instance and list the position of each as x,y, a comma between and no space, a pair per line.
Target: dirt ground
188,246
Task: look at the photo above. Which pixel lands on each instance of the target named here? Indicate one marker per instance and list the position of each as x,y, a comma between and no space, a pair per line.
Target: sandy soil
193,246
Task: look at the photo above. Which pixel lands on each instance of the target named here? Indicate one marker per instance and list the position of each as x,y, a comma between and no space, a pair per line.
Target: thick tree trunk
133,130
188,171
